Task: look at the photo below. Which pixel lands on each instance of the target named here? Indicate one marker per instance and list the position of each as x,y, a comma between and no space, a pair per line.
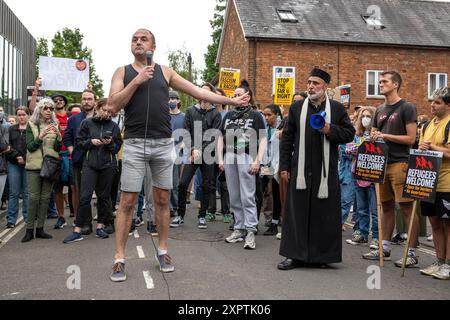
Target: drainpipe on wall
254,67
338,64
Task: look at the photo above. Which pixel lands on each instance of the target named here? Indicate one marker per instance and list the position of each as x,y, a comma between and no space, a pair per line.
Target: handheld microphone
149,58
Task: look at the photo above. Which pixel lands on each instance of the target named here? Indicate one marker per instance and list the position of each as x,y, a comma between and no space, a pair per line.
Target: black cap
56,95
325,76
174,95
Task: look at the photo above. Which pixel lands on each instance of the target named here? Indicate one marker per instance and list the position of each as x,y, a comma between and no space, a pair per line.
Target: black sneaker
60,223
109,229
399,238
272,231
151,229
10,226
132,228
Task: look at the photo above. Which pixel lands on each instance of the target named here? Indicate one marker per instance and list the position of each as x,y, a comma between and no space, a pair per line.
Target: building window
372,86
286,15
373,22
436,81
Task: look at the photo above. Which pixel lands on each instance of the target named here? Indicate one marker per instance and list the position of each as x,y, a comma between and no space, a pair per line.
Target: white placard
62,74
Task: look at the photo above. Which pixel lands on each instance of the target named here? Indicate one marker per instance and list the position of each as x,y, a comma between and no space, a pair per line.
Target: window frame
287,15
376,94
437,74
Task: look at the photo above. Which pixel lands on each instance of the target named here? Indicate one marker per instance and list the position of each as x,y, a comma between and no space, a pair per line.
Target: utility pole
190,75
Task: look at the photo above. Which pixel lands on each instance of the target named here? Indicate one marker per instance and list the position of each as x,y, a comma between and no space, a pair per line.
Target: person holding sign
309,163
366,199
435,137
395,122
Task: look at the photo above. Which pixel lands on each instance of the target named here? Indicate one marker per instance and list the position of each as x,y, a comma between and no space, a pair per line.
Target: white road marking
148,280
136,234
7,230
15,231
140,252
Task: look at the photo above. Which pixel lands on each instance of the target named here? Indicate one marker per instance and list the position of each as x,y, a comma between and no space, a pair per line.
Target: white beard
316,96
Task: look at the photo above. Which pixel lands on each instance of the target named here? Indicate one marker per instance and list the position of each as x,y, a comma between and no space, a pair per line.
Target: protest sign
423,173
40,95
62,74
229,80
371,162
345,94
284,85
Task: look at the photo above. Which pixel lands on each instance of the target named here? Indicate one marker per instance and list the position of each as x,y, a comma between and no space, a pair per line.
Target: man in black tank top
142,89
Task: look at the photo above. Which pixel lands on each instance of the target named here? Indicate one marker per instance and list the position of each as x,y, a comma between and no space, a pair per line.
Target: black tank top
158,126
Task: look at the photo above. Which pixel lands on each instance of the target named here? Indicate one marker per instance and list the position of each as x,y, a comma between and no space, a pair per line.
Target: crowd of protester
85,140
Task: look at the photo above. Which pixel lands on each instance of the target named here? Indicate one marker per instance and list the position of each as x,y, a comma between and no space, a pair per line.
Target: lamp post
190,75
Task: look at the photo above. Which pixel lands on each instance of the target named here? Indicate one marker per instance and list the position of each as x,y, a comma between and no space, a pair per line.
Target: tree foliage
211,70
179,62
68,43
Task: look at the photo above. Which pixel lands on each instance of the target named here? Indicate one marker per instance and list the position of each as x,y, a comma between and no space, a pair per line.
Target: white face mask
366,122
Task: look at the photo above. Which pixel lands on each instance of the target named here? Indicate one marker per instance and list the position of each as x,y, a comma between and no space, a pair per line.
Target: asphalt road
207,268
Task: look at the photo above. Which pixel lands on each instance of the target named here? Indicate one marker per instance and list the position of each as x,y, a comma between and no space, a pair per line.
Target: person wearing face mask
177,119
100,138
205,116
244,141
366,202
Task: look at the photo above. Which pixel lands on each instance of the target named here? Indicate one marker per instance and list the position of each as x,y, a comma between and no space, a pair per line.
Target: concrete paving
207,268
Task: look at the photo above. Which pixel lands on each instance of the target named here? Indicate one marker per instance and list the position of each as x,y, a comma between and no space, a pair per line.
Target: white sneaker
428,271
374,245
430,238
279,236
250,242
236,236
443,273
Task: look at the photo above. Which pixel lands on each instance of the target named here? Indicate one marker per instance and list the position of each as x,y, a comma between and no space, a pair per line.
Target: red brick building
354,40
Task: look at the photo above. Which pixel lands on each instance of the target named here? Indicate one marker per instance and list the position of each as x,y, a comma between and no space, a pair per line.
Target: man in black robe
309,161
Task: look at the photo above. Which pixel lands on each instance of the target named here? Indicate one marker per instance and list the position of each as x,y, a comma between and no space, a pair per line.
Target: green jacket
36,148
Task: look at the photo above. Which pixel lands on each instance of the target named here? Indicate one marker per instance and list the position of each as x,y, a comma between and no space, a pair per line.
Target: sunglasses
58,100
48,108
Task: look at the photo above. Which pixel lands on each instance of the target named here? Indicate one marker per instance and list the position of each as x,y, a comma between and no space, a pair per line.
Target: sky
107,27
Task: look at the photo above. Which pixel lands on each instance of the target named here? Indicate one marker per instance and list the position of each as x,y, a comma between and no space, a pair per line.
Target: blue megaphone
318,120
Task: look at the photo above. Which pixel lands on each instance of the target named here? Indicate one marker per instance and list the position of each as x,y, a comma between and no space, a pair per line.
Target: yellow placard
229,80
284,91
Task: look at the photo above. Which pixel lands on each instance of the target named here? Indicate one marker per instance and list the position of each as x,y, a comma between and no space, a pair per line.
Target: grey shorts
158,153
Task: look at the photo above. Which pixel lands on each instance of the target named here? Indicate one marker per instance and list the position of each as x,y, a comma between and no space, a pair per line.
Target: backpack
447,129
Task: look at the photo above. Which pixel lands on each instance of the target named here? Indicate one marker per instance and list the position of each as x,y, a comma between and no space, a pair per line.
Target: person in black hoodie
17,174
209,118
100,138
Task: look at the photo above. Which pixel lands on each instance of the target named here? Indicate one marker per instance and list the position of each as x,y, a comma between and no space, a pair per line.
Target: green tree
68,43
41,50
211,70
179,62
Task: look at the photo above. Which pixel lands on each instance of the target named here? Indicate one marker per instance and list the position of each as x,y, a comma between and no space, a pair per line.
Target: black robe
311,226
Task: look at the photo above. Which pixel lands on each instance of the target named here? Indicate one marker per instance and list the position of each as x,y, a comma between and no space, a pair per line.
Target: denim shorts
159,154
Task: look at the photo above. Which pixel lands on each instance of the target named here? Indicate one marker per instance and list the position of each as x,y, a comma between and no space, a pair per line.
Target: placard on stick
423,173
229,79
371,162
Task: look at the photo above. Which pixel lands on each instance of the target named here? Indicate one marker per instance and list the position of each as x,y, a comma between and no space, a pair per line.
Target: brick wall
345,63
235,53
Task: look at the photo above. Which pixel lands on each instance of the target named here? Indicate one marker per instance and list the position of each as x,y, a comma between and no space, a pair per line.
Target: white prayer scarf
301,180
